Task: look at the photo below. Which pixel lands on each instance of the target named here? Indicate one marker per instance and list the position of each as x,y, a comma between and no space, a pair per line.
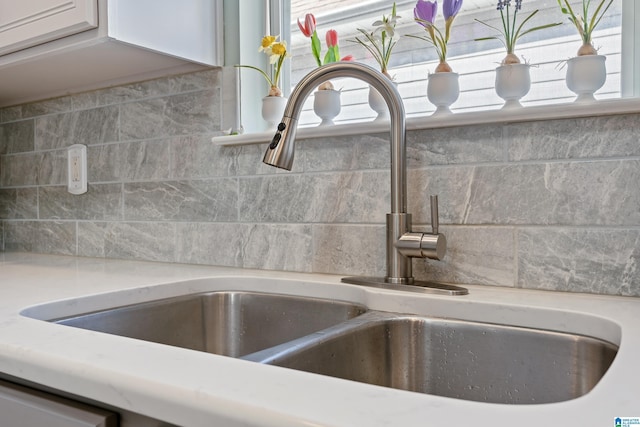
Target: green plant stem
436,38
316,47
266,77
509,32
586,28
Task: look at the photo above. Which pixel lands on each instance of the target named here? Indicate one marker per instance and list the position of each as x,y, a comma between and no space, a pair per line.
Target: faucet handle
425,245
435,217
434,245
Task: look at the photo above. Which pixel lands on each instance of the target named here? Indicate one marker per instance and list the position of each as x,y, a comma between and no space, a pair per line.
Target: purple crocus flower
450,8
425,11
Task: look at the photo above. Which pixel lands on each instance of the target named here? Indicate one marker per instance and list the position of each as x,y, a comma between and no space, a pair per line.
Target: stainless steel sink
465,360
225,323
461,359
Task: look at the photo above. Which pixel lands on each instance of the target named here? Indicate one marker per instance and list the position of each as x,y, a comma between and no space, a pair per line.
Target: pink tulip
309,25
332,38
348,58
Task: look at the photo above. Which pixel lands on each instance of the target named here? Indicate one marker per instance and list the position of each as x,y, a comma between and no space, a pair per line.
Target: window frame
277,14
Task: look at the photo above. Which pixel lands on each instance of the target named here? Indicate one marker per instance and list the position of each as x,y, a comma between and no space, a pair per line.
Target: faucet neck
401,243
281,150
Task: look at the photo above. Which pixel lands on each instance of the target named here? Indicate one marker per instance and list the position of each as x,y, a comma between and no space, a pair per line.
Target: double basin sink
468,360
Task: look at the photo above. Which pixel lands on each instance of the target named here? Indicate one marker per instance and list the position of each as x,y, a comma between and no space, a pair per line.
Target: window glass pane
475,61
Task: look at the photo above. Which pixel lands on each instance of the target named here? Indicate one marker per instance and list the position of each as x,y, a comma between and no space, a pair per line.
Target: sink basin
225,323
470,360
459,359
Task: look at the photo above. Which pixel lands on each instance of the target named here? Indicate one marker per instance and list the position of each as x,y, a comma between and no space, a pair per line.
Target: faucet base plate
417,286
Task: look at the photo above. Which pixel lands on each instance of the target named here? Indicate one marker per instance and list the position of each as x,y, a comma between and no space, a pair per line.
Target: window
413,59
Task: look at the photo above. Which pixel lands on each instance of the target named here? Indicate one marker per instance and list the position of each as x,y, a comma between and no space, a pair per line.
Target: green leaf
330,56
542,27
316,47
266,77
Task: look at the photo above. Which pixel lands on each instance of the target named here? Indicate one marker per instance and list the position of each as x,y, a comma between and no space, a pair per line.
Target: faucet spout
402,244
282,147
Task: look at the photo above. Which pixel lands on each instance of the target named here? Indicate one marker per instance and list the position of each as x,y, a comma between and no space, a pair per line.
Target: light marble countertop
191,388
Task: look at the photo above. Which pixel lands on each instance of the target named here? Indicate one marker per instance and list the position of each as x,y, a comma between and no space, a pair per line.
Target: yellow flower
266,43
277,52
279,49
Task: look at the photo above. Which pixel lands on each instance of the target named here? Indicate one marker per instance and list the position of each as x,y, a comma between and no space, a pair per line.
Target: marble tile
591,137
9,114
277,247
16,137
50,237
40,168
104,163
602,261
52,169
210,243
563,215
85,100
576,193
358,152
100,202
48,106
19,170
88,127
467,144
20,203
197,157
171,85
338,197
249,161
150,241
129,161
475,255
451,184
349,249
193,113
191,201
263,246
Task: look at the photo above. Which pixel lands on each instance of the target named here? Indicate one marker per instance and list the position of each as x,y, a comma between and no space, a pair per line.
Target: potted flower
380,43
274,103
442,87
586,73
512,77
326,102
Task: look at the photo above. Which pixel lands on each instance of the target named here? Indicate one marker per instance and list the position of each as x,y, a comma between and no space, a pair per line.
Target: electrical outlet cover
77,169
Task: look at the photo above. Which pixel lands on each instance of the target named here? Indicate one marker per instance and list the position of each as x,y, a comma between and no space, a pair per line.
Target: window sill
525,114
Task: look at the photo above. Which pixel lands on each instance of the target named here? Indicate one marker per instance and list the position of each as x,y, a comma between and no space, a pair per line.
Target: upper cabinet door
28,23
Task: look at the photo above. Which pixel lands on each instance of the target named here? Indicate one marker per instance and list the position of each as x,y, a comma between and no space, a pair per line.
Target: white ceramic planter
585,75
378,104
442,91
326,105
273,109
512,83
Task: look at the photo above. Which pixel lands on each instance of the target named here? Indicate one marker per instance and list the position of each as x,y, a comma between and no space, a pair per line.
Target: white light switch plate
77,169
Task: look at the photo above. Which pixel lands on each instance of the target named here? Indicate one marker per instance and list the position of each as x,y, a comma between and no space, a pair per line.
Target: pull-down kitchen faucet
402,243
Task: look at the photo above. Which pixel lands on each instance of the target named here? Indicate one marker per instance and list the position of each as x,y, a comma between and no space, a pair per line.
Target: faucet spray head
282,147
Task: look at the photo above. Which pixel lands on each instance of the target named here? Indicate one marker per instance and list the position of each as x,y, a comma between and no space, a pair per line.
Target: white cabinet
25,407
100,43
28,23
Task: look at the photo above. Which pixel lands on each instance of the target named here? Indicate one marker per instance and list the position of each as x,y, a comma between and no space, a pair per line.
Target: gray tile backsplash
543,205
90,127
